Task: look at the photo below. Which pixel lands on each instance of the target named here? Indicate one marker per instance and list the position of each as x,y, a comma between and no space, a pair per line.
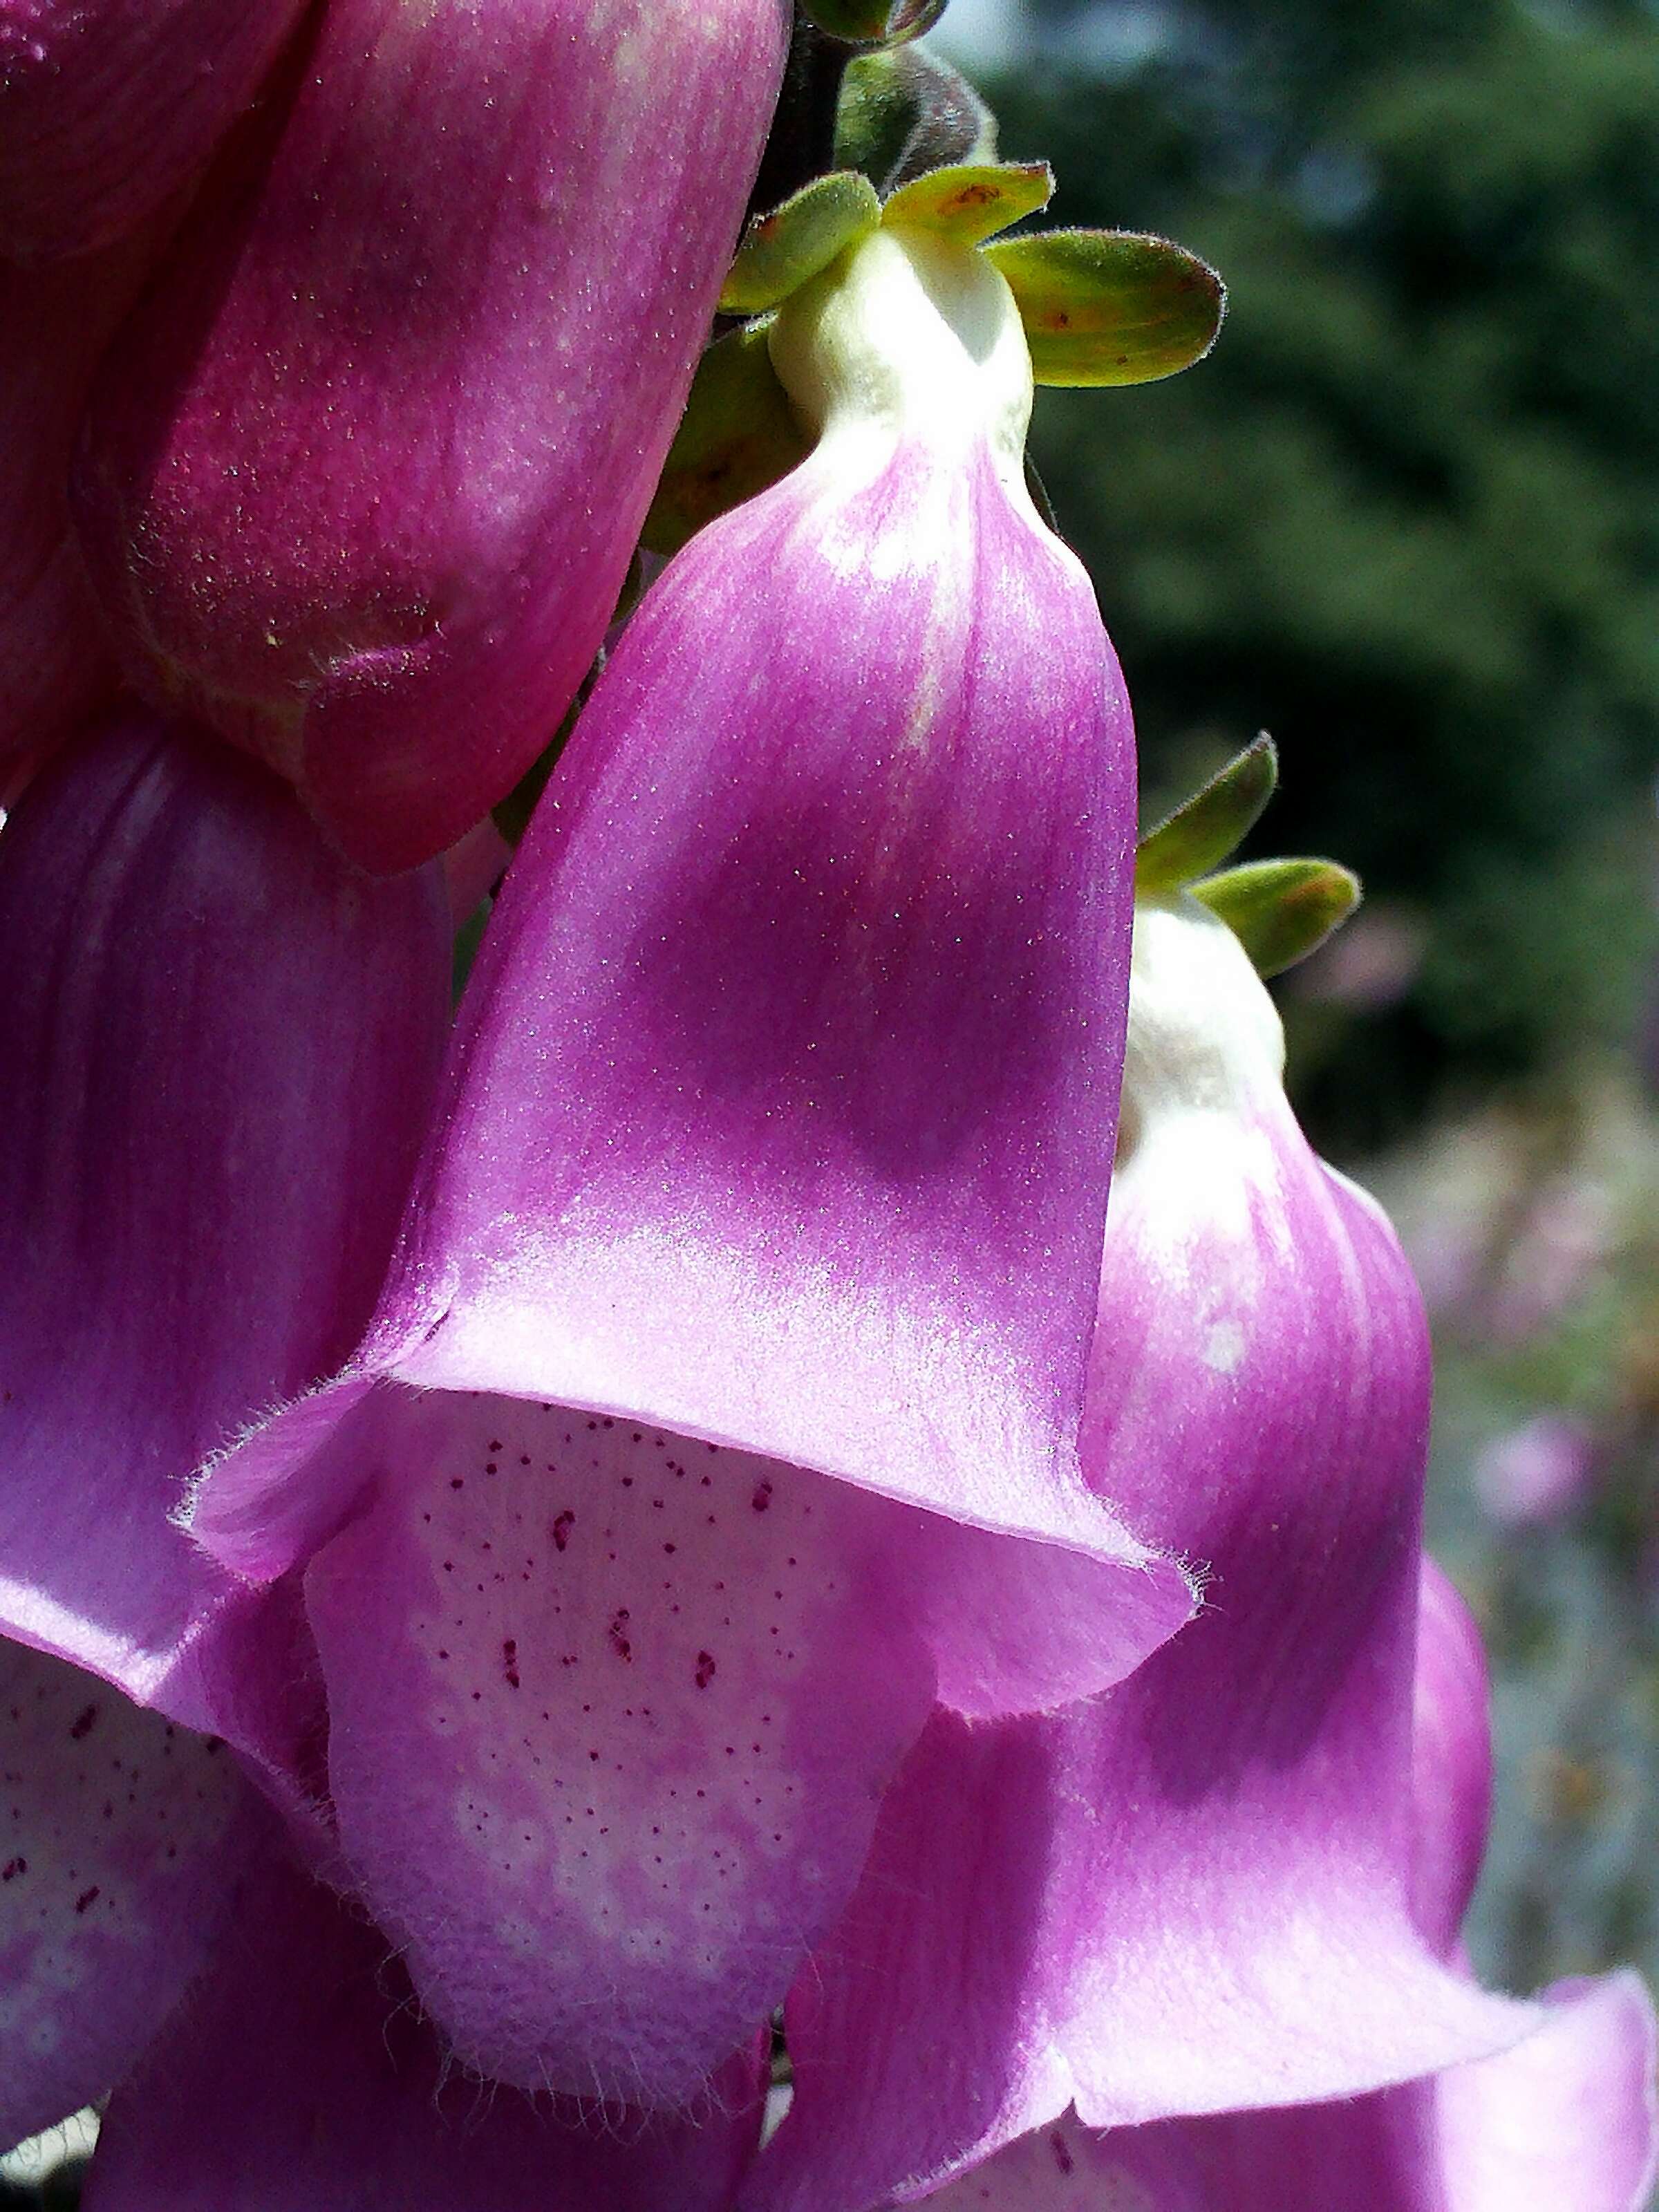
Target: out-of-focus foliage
1407,517
1536,1235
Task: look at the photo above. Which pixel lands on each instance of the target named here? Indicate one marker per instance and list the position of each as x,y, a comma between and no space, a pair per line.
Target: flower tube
362,488
722,1410
1193,1893
1567,2118
217,1045
108,106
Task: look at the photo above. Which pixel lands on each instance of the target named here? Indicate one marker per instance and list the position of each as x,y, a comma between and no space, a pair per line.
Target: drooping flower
1567,2118
1193,1892
217,1045
721,1413
157,1938
109,106
362,486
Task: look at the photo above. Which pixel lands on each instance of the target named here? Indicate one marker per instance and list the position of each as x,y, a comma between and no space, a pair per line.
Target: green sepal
1281,910
874,22
971,201
781,251
903,111
1111,306
736,437
1208,828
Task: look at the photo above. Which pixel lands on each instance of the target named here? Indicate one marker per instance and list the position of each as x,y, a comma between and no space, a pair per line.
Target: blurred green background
1407,518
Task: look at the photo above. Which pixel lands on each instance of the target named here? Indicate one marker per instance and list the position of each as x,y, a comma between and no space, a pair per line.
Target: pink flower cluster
551,1556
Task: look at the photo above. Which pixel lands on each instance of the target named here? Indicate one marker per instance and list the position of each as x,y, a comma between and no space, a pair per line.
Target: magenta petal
1451,1761
1567,2118
298,2076
1196,1892
122,1839
364,485
108,106
846,1208
216,1044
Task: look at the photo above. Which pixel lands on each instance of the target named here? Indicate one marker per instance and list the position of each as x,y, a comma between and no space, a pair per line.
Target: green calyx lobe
736,437
874,22
1208,828
1280,911
970,201
1111,306
786,249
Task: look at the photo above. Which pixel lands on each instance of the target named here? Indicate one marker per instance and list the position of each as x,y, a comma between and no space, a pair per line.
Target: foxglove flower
1567,2118
157,1937
109,106
1193,1893
217,1045
362,485
721,1413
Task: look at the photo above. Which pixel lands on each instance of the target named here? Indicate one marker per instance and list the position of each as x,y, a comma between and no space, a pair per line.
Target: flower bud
362,481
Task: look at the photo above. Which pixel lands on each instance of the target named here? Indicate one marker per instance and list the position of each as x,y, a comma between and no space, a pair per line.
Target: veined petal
1195,1893
783,1106
299,2074
108,106
216,1044
363,487
123,1842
